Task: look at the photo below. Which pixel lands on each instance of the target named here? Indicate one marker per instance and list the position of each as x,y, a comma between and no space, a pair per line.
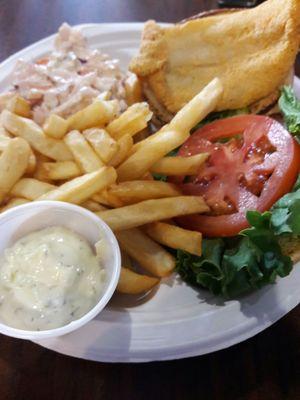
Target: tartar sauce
48,279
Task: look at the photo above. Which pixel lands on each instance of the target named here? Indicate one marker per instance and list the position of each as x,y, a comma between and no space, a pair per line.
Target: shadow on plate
120,300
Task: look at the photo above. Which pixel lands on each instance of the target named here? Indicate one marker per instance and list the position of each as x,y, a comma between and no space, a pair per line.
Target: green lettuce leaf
159,177
235,270
286,214
290,107
253,259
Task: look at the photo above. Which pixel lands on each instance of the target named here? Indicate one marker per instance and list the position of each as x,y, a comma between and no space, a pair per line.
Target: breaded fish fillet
252,51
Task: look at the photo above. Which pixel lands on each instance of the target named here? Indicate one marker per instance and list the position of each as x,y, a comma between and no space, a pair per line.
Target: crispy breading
290,247
251,51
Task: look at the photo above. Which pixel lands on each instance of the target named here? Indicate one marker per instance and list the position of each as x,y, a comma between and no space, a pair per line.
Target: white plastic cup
27,218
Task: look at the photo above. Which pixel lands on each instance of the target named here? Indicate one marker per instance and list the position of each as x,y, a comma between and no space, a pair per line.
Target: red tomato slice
250,171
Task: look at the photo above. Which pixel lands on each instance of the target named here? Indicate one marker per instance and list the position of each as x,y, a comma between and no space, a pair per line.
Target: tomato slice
256,165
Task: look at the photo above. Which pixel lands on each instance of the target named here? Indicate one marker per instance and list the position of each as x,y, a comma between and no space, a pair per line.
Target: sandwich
252,52
250,179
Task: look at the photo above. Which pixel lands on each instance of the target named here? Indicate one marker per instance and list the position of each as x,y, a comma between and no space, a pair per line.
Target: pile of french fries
92,159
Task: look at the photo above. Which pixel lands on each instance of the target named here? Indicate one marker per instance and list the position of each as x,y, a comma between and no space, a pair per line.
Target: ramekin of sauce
59,267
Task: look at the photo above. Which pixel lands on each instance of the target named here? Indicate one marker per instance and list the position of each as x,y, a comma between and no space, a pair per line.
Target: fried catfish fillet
252,51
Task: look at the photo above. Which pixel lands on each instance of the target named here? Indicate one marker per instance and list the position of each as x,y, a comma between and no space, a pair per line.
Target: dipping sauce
48,279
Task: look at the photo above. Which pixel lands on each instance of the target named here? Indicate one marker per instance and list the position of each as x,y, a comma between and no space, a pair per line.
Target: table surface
265,367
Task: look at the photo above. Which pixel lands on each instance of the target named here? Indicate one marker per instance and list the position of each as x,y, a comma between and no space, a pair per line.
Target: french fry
150,255
179,166
199,107
30,188
82,152
192,113
125,145
99,113
3,132
175,237
13,164
34,135
108,199
147,177
132,121
4,141
133,89
14,203
142,160
32,162
55,126
4,99
39,172
82,188
60,170
93,206
131,282
19,106
151,211
102,143
135,191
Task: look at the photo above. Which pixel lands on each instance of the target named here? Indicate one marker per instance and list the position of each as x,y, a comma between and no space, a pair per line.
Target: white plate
177,321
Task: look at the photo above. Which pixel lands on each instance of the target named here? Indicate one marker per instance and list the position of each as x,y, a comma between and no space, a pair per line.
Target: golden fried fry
192,113
131,282
179,166
93,206
132,121
31,163
102,143
82,188
13,164
18,105
125,145
152,210
98,114
60,170
5,140
30,188
135,191
82,152
108,199
55,126
34,135
150,255
149,153
175,237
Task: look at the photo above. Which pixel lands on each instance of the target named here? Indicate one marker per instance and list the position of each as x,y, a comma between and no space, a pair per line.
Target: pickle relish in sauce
49,278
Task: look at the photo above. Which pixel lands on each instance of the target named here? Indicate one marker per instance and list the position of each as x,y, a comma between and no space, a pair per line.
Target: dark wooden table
265,367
